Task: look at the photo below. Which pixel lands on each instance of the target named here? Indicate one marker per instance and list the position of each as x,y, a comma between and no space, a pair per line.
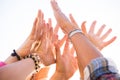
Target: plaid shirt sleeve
101,69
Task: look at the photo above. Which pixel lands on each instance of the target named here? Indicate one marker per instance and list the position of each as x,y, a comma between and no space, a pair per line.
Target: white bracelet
74,32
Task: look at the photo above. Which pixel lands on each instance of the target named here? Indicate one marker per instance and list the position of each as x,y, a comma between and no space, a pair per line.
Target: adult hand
62,20
66,63
34,35
96,38
45,46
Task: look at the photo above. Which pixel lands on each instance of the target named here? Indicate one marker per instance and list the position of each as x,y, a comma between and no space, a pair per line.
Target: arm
24,49
82,45
96,38
85,50
18,70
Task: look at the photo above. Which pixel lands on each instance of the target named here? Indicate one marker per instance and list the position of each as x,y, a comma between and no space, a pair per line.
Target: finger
73,20
44,31
50,22
72,50
60,42
83,28
34,27
51,33
106,34
56,29
92,27
109,41
41,16
100,30
47,30
55,38
66,47
40,24
39,30
54,5
61,18
58,53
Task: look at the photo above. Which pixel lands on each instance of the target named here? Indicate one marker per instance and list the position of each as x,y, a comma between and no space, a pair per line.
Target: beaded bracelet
36,60
15,54
74,32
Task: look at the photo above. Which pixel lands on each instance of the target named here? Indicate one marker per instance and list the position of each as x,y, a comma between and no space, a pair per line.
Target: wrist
13,57
70,28
59,76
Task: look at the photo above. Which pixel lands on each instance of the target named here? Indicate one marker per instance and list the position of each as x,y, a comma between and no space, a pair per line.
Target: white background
17,17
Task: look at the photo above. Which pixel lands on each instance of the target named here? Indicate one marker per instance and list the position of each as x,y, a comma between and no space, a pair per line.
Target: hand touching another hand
45,45
66,63
34,35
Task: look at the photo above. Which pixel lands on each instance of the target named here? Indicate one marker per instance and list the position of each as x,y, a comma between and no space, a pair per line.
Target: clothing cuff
2,63
98,67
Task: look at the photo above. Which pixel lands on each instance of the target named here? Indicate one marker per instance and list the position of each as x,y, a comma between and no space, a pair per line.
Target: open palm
96,38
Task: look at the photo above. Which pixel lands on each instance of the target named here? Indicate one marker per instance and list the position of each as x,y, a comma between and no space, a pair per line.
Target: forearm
10,60
18,70
84,49
15,56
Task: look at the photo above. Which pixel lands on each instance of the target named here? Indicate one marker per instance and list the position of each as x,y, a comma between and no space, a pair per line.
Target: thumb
83,27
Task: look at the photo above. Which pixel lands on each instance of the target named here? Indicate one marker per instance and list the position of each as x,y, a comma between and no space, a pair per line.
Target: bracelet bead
36,60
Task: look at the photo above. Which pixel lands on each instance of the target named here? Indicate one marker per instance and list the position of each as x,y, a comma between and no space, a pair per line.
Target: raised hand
62,20
66,63
34,35
45,46
97,38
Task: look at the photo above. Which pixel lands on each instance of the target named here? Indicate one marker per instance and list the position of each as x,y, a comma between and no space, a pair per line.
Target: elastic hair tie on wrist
73,32
15,54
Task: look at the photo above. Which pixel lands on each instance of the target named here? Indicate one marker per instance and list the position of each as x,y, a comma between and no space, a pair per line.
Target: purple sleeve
2,63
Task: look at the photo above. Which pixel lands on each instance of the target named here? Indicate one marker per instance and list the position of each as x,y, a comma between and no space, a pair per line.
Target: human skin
66,63
17,70
97,39
85,50
42,74
34,35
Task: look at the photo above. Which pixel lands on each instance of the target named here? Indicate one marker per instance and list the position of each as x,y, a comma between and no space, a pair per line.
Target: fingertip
84,22
115,37
94,21
70,14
